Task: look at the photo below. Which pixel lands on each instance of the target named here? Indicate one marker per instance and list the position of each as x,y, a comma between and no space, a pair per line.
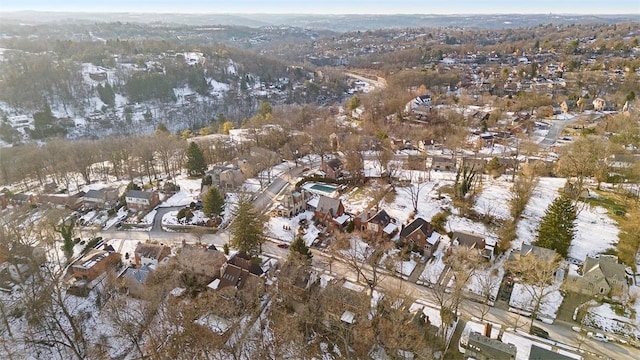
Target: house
296,280
332,168
226,177
150,254
93,264
567,105
601,276
481,347
328,209
201,262
420,234
343,302
536,251
238,270
443,163
142,200
23,199
380,224
472,241
419,104
293,203
100,199
132,281
540,353
60,201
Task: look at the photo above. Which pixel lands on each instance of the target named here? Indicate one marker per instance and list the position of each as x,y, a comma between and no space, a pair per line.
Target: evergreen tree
300,249
557,229
213,202
247,230
196,165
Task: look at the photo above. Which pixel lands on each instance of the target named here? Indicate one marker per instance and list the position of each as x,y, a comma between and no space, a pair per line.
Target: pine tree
195,160
299,248
213,202
557,228
247,230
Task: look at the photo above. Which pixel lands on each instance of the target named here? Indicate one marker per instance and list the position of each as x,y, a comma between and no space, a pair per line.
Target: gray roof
539,252
608,264
468,239
137,194
328,204
94,194
137,275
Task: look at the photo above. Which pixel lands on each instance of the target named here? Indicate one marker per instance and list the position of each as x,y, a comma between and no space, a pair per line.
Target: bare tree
414,188
537,275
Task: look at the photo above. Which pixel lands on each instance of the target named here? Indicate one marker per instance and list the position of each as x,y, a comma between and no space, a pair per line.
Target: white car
576,328
598,336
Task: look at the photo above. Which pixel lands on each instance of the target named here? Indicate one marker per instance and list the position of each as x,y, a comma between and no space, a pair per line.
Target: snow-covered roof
314,202
348,317
342,219
214,284
390,228
433,238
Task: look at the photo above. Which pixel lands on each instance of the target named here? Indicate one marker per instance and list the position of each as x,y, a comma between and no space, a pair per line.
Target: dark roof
381,218
538,353
468,239
334,163
328,205
95,194
418,224
109,248
241,261
137,194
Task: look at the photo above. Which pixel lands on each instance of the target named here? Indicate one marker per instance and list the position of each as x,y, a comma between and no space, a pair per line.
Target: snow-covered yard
522,299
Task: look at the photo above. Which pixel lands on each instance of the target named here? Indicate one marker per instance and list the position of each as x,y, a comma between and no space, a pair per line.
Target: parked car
540,332
283,245
576,328
598,336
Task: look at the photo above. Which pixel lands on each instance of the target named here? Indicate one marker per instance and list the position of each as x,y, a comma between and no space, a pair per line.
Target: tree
247,230
536,274
583,158
557,228
213,202
196,164
264,109
465,181
186,214
414,188
300,249
65,229
353,103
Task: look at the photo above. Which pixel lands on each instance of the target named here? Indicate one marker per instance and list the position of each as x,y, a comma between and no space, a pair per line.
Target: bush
439,220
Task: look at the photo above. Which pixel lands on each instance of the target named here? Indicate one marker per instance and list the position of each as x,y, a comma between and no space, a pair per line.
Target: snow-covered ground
605,317
522,299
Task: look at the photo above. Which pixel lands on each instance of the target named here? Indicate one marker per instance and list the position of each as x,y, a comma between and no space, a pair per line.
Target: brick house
420,234
94,263
332,168
142,200
238,270
327,209
379,224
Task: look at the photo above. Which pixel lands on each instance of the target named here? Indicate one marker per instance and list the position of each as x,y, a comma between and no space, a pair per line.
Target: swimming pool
324,188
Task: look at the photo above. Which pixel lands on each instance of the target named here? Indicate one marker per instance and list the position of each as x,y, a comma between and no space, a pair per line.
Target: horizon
334,7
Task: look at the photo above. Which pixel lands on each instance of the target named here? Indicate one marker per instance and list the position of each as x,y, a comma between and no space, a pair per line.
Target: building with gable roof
420,234
601,276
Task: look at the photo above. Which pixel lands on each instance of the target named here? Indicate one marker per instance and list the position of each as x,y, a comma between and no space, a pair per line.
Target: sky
335,6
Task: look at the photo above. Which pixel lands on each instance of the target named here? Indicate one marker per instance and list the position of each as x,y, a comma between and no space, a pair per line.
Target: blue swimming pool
324,188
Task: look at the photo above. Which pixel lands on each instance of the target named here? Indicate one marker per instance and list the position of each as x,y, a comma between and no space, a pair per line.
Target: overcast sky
335,6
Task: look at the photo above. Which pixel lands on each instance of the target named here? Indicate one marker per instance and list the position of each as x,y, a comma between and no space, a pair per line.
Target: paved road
160,212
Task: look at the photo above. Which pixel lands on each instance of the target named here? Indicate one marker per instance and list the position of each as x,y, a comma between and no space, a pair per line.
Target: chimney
487,330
